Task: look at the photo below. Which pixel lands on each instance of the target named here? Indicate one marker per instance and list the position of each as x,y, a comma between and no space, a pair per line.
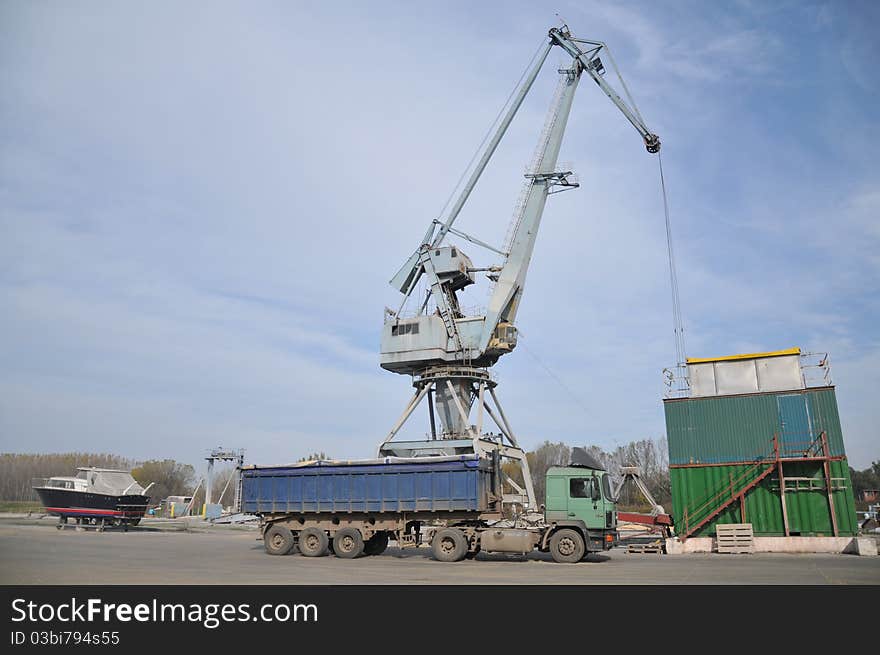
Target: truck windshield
606,489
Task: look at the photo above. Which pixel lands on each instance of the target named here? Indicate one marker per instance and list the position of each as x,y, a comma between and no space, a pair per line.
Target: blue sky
201,205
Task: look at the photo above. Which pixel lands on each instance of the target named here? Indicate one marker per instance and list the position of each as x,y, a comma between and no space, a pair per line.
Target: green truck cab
579,498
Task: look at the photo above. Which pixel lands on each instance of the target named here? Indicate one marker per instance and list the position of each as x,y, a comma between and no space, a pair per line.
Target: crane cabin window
404,328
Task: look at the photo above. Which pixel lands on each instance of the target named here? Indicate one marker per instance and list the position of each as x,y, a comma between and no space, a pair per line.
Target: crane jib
441,333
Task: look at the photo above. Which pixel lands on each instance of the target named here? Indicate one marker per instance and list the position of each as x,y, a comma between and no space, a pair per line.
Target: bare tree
542,458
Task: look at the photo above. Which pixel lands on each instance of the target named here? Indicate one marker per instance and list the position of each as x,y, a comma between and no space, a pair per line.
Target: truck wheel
278,540
313,542
449,545
348,543
567,546
376,544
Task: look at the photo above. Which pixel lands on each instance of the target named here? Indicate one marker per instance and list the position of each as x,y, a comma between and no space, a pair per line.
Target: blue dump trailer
353,508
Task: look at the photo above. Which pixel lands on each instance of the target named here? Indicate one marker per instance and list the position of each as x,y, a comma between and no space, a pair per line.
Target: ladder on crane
439,295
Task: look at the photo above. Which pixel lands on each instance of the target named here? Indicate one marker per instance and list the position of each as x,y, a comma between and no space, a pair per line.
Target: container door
581,503
796,431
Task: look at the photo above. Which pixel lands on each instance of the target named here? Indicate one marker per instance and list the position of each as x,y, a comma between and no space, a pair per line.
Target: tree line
170,477
18,471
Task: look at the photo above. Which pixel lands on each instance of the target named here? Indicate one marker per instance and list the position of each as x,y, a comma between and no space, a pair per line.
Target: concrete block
865,546
801,544
692,545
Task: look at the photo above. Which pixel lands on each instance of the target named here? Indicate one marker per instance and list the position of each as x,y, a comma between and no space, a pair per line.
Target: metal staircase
816,450
731,493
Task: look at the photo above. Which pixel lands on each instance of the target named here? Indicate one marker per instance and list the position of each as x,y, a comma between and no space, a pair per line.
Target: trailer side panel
462,485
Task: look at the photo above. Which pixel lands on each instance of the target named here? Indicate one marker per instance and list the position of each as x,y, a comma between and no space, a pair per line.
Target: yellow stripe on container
729,358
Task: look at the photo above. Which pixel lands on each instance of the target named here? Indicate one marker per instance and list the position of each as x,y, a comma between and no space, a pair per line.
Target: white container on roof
751,373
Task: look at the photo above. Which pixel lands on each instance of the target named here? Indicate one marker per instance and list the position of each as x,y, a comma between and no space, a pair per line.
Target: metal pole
208,481
480,409
781,474
503,418
236,498
238,480
498,423
413,403
225,487
193,499
826,453
431,412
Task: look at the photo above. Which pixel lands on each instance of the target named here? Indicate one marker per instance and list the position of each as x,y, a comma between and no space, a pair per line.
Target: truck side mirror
594,489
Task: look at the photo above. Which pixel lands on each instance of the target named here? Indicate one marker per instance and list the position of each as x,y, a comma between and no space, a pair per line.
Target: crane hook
652,143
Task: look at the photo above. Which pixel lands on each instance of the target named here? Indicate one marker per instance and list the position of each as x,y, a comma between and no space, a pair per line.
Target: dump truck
455,504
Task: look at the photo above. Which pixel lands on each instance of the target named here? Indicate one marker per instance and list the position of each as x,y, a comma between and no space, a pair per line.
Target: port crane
448,353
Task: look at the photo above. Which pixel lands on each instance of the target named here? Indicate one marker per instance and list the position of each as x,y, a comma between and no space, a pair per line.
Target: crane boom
504,301
594,67
409,274
540,180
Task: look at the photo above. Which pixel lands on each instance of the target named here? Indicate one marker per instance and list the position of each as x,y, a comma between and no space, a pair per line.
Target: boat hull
82,504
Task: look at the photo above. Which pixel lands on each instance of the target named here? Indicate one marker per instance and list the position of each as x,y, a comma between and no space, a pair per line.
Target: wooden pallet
655,548
735,538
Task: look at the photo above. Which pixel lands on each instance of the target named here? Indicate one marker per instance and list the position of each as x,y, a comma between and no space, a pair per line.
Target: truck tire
313,542
348,543
449,545
278,540
376,544
567,546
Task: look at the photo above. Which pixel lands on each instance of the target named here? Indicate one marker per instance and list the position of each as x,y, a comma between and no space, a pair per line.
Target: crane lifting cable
677,322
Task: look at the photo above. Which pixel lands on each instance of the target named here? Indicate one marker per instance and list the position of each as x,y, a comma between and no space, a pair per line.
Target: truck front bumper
603,540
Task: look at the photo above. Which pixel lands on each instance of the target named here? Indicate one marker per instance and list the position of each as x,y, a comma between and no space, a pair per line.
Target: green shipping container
726,429
806,499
